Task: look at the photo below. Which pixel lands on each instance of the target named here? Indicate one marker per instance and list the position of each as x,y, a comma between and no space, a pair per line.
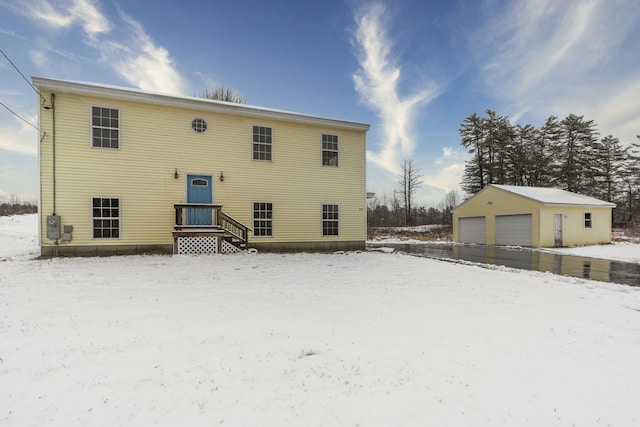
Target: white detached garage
532,216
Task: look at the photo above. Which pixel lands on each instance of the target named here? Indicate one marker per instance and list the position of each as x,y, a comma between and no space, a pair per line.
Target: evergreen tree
522,152
545,154
608,161
472,131
629,209
499,138
575,146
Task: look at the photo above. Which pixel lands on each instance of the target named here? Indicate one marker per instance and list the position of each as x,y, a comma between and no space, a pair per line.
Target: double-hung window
105,127
329,150
329,220
105,216
262,143
263,219
588,220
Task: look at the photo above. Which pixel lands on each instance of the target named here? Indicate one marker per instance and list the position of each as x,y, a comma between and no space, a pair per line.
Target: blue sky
413,69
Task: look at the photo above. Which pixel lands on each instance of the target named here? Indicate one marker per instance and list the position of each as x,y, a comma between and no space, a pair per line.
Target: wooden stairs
206,229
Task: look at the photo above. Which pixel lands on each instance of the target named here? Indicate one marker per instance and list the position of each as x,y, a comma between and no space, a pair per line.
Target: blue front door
199,190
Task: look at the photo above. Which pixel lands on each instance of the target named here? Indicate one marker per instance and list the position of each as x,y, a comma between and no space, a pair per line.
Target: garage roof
553,196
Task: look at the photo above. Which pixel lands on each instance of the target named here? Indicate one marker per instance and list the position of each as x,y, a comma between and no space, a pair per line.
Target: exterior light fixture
221,176
175,174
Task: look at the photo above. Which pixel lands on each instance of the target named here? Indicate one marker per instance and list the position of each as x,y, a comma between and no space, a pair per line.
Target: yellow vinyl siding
574,232
157,140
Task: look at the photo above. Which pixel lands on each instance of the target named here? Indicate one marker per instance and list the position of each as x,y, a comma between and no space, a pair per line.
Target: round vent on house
199,125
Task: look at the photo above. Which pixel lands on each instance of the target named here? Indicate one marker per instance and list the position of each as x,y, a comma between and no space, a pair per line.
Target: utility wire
25,79
19,116
29,83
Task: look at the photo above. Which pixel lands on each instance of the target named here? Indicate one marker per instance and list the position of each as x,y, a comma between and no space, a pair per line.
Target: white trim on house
130,94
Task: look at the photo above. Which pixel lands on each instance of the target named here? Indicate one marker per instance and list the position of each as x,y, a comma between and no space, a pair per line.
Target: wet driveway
625,273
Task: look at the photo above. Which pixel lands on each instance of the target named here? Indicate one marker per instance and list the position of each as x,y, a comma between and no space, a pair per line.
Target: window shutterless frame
329,150
262,143
105,124
330,220
106,213
588,219
262,219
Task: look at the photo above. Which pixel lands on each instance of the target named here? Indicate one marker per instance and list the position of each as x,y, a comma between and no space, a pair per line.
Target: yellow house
128,171
532,216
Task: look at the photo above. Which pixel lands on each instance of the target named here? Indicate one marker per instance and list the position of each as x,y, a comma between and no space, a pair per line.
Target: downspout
53,130
53,108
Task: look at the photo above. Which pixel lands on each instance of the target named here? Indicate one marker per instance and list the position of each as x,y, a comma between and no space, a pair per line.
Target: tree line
15,207
566,154
392,212
401,209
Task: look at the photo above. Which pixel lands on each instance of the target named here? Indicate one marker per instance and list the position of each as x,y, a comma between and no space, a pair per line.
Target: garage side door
471,230
514,230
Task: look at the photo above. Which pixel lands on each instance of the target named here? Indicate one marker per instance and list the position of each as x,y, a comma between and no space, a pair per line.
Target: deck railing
207,217
196,215
234,227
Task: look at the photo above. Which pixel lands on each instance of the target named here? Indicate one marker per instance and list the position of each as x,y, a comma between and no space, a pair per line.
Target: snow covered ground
307,339
619,251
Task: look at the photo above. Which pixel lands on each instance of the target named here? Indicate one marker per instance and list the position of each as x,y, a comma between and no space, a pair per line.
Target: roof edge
131,94
604,204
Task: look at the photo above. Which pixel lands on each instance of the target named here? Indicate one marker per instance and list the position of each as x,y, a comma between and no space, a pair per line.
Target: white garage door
471,230
513,230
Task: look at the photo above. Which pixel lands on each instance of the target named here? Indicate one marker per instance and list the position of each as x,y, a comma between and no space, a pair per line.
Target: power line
23,76
18,116
29,83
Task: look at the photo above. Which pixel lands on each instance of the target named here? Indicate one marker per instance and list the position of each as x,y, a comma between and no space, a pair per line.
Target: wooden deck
205,228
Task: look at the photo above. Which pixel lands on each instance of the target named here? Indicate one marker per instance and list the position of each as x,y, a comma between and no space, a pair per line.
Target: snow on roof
553,196
133,94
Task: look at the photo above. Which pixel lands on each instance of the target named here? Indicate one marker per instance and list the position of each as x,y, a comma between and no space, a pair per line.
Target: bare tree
396,208
450,201
221,93
410,179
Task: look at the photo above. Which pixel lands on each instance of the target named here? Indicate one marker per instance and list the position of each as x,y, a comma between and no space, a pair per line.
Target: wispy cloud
139,61
550,57
65,14
93,21
376,82
124,46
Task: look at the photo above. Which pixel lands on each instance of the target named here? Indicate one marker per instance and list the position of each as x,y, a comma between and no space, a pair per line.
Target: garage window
588,221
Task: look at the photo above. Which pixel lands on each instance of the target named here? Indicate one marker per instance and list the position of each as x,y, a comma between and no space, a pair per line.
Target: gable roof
553,196
130,94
